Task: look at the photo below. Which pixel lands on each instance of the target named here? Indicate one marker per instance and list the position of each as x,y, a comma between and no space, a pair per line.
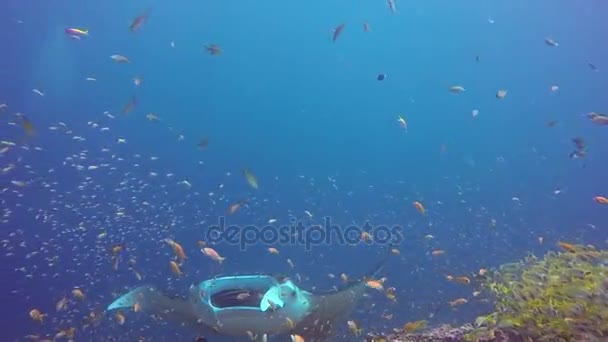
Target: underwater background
86,168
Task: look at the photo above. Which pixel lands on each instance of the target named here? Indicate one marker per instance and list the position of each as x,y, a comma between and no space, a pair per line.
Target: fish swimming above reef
272,306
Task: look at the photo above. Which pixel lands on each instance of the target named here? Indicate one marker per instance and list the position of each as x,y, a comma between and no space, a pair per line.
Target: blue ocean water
320,133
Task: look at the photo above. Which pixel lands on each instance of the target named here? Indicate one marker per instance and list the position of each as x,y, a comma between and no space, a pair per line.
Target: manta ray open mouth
237,297
252,304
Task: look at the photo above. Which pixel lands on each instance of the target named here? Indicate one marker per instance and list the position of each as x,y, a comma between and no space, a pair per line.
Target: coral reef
444,333
562,297
447,333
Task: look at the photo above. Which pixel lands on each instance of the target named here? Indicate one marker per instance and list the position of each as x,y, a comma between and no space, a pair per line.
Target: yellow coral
563,296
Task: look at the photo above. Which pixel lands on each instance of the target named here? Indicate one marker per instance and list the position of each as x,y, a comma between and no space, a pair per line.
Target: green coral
563,296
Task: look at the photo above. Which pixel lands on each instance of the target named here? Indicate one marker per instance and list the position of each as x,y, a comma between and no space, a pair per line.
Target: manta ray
258,306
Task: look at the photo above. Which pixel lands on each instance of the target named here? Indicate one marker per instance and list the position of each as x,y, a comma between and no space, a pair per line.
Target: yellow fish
251,179
413,326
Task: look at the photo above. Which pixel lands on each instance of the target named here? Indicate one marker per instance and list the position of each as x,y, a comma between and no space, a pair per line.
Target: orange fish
375,284
174,267
462,280
437,252
177,249
37,316
78,294
28,127
297,338
139,21
128,108
600,199
116,249
365,236
458,301
213,254
337,31
419,207
568,247
120,318
236,206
